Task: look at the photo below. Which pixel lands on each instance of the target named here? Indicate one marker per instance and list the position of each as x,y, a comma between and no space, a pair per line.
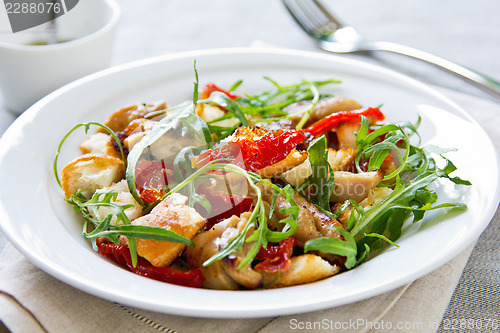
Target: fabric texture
33,301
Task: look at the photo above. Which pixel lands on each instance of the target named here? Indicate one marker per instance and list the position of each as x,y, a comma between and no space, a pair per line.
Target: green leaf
308,111
449,168
336,246
196,84
142,232
235,85
222,132
321,180
225,102
271,102
362,256
382,237
401,194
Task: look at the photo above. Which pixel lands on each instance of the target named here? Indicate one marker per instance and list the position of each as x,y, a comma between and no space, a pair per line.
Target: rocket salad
238,191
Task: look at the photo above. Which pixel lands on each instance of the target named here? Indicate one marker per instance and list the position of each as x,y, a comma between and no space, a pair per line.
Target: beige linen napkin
32,301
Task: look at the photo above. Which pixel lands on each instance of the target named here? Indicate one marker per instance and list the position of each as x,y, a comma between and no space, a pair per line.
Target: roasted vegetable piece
121,255
211,87
257,148
332,121
276,258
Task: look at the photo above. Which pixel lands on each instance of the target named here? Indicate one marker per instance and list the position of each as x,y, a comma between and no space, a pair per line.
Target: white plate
38,222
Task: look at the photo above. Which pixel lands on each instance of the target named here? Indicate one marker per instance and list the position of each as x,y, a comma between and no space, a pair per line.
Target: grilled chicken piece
354,186
348,185
171,214
119,120
100,143
303,269
275,126
90,172
324,107
340,160
124,197
206,245
103,143
222,274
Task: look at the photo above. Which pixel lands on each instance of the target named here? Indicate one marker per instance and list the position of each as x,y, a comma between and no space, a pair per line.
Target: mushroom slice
346,134
209,243
291,161
246,276
303,269
354,186
324,107
340,160
119,120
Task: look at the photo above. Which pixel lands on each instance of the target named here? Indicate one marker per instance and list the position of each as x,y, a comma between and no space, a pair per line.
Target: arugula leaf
346,248
228,104
139,231
182,168
449,168
321,182
308,111
369,146
270,103
235,85
402,197
196,84
222,132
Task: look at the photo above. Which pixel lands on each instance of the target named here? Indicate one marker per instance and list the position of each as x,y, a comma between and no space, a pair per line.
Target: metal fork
333,36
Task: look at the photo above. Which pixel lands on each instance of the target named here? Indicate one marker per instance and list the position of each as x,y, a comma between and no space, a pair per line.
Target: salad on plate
237,191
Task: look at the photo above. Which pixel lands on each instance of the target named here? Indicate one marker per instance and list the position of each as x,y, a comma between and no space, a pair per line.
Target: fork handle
482,81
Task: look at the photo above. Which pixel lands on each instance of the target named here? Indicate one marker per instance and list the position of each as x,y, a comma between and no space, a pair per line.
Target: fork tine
312,16
328,15
297,14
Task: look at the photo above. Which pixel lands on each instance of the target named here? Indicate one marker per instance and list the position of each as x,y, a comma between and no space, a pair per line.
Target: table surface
466,32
